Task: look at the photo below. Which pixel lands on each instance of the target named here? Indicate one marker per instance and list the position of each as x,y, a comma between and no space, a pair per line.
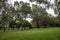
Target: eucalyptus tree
57,7
4,16
43,17
47,3
25,9
21,11
7,13
57,10
22,8
38,14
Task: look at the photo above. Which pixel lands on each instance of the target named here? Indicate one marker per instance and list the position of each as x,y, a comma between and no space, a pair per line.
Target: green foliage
26,9
57,5
38,15
40,1
10,14
16,3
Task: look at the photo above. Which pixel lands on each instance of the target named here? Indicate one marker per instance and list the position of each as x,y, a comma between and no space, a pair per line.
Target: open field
32,34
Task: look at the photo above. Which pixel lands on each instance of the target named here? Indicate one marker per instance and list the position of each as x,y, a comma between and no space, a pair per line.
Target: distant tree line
14,16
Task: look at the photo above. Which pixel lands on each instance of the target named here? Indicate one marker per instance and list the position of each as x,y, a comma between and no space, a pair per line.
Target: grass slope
33,34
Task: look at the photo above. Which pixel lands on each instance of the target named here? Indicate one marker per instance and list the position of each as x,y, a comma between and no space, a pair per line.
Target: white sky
29,19
50,11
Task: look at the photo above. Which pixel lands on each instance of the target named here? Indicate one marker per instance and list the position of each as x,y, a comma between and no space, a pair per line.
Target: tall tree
25,9
3,7
38,14
57,9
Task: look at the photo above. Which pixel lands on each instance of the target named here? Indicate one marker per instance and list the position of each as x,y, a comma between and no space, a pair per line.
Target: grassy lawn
32,34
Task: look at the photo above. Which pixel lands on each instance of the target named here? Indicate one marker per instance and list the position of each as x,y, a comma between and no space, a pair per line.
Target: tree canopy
15,16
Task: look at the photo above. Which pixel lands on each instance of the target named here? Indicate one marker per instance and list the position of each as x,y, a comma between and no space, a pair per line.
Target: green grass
32,34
